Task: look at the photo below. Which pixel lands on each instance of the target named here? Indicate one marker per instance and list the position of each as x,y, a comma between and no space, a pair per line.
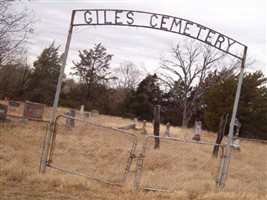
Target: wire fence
182,165
103,153
247,172
21,147
92,150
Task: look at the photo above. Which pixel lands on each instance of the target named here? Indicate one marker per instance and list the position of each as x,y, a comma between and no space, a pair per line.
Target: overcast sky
242,20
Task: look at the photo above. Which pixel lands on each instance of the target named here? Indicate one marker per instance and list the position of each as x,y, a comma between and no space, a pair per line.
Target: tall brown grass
21,148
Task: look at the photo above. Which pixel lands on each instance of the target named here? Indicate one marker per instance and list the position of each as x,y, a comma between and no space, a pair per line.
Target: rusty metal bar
54,135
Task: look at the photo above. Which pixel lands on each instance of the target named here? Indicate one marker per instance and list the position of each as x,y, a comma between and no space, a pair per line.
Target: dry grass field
187,169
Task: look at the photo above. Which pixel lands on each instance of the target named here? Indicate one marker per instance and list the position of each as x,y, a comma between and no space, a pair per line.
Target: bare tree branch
15,30
184,71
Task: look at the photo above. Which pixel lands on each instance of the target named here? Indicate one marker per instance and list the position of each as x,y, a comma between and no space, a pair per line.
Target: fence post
220,134
156,125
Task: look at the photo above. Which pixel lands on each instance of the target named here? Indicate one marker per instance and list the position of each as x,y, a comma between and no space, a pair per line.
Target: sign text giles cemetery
160,22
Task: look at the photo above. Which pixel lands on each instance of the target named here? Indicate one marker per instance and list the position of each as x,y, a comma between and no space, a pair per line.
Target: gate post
56,99
229,141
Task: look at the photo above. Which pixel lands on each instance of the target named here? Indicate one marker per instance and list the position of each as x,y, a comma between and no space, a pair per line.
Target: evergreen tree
46,70
252,112
252,109
218,97
140,103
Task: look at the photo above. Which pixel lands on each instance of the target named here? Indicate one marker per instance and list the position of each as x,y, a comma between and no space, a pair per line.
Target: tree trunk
185,122
185,119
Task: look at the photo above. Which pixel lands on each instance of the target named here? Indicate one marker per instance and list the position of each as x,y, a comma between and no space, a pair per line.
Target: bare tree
15,28
184,71
128,75
14,79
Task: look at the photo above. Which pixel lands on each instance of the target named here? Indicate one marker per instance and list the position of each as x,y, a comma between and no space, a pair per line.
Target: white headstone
144,127
236,142
197,130
82,109
167,132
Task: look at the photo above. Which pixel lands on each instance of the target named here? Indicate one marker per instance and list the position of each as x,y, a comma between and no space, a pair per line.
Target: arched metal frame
132,18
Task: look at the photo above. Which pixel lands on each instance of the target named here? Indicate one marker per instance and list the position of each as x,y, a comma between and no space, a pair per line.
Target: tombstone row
31,110
70,121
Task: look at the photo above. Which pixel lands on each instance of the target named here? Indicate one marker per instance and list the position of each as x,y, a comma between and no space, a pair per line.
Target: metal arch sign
110,17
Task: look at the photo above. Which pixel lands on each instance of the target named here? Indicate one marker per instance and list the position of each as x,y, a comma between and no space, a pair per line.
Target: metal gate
105,154
92,150
183,165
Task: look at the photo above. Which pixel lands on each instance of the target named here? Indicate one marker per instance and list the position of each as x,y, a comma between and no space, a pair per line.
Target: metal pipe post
56,99
230,136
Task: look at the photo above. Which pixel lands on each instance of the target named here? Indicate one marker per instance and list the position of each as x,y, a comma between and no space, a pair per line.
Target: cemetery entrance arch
133,18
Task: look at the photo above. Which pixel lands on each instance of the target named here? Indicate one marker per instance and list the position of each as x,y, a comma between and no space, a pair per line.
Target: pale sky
242,20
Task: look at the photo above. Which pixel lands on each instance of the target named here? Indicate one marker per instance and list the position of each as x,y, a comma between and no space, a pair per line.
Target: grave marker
144,127
3,112
82,109
197,131
167,132
95,112
130,126
70,122
236,142
87,114
33,110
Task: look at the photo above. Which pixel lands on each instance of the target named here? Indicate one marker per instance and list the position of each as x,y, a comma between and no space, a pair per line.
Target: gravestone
70,121
197,131
95,112
72,114
167,132
130,126
67,123
135,121
23,121
3,112
82,109
14,103
33,110
236,142
144,128
87,114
